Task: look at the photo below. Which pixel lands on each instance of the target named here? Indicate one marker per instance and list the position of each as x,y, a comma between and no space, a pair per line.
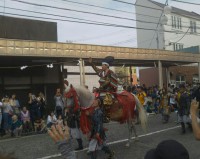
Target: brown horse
122,110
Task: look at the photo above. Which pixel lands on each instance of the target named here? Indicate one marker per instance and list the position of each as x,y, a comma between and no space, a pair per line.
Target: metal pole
167,77
83,69
160,74
199,71
81,74
131,76
157,39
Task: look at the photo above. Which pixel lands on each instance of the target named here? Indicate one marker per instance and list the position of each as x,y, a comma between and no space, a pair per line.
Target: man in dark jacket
98,137
184,108
73,122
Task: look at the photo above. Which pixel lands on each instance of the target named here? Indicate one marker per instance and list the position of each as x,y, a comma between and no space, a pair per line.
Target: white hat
105,63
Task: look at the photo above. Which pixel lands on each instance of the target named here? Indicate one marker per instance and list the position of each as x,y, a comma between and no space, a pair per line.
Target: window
180,80
193,27
177,46
176,22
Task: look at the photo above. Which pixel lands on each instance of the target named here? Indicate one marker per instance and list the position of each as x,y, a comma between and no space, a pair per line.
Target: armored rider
108,84
107,76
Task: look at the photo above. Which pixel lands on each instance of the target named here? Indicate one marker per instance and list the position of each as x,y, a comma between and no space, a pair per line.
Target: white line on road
119,141
21,137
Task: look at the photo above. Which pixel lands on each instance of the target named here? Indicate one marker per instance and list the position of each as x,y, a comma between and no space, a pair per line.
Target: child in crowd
150,109
16,127
25,118
51,119
60,121
39,125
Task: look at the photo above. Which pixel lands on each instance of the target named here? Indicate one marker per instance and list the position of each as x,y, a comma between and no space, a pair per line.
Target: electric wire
186,2
50,14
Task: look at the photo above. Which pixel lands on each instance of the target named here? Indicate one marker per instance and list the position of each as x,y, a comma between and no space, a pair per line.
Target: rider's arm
107,82
96,69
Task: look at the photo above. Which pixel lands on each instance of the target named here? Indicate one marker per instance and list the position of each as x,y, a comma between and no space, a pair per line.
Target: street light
163,21
167,9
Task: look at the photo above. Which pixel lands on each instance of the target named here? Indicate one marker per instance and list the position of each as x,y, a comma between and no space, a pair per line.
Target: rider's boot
183,127
80,145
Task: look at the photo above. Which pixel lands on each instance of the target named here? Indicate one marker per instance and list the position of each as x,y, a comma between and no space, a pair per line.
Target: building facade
175,31
14,80
180,30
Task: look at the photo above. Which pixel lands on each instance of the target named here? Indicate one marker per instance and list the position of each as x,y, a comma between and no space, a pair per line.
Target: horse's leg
129,133
134,130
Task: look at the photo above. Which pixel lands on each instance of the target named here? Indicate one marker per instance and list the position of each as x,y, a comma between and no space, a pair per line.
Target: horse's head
78,96
71,97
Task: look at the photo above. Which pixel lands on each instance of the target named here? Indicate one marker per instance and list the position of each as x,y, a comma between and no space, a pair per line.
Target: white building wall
165,39
190,39
144,37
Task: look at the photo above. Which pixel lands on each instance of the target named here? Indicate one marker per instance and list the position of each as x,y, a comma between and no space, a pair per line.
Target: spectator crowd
16,119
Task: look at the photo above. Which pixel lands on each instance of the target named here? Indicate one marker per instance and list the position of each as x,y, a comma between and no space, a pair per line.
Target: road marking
23,137
119,141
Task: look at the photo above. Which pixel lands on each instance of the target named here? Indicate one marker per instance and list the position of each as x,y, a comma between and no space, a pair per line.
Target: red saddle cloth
127,101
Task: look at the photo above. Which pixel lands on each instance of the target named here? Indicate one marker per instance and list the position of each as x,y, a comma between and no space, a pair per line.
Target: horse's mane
86,98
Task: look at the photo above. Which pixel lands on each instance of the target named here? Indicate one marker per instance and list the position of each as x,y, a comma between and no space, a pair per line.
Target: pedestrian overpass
19,52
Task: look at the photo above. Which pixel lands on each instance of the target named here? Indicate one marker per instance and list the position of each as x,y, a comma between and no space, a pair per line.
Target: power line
131,19
96,6
73,10
105,15
182,36
185,2
104,24
118,10
50,14
124,41
41,5
55,19
136,5
153,7
83,22
73,17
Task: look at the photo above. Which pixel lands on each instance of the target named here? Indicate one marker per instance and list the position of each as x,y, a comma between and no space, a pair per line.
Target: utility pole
131,75
81,71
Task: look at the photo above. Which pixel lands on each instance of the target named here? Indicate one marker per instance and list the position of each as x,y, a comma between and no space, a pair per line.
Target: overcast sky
85,33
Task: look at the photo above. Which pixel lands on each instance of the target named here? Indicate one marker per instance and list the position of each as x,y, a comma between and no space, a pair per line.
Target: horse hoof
127,145
136,139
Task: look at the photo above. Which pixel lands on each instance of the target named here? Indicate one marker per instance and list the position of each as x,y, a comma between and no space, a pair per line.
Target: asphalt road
41,146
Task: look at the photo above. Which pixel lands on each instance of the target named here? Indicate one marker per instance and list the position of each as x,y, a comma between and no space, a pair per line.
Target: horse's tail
142,113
